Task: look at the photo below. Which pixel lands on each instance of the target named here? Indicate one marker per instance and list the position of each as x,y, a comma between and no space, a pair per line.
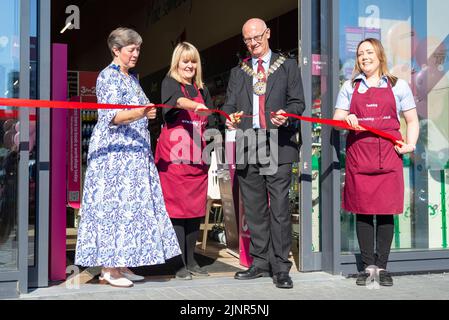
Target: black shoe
183,274
385,278
252,273
198,271
283,280
361,278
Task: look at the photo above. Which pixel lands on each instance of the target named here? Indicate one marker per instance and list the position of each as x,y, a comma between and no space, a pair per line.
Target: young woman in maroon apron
374,182
182,172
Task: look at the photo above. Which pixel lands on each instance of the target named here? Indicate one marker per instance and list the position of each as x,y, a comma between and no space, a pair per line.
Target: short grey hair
122,37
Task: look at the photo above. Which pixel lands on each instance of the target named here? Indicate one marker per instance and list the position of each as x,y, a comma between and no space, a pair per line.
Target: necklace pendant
259,88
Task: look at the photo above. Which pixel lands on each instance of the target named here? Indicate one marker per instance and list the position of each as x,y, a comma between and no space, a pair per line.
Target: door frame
38,274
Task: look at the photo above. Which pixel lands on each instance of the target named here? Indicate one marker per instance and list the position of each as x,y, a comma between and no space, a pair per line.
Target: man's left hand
277,119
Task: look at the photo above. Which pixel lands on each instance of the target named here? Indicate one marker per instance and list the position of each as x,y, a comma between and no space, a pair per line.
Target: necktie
262,121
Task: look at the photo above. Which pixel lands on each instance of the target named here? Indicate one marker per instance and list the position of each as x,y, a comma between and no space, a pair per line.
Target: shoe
252,273
183,274
385,278
106,278
132,277
198,271
361,278
282,280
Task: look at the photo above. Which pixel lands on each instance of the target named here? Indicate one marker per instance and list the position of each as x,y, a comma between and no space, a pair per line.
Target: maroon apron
374,182
184,185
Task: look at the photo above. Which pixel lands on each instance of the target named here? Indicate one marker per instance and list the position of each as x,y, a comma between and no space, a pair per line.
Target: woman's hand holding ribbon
352,121
151,111
403,148
201,110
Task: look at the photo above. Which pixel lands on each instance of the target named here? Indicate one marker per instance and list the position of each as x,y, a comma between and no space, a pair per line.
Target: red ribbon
343,124
27,103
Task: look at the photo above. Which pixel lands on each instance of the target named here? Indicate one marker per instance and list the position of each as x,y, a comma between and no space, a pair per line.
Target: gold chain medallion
260,87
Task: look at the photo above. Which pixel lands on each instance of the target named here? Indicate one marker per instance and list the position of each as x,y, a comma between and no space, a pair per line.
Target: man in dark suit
265,86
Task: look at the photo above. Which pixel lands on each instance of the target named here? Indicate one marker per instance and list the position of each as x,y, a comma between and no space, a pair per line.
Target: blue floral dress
124,222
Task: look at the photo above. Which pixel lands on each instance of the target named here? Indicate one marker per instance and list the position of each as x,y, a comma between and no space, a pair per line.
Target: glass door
9,149
14,146
311,61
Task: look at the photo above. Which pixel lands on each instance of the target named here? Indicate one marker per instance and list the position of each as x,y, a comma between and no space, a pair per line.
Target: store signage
86,92
245,240
87,85
74,161
317,65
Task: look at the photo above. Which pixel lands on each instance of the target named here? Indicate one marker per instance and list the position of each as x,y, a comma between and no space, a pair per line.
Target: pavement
307,286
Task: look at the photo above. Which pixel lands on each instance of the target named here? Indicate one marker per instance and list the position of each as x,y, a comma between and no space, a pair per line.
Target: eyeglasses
256,38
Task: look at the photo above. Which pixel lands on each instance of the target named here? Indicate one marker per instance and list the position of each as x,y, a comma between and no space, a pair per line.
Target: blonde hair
383,67
186,50
123,37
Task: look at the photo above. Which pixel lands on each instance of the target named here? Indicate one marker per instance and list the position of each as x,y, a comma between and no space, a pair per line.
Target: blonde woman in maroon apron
179,149
374,182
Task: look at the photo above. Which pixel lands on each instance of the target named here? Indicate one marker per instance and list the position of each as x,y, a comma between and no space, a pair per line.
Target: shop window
416,38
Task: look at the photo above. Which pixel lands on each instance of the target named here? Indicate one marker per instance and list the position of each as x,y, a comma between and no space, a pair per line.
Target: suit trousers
266,204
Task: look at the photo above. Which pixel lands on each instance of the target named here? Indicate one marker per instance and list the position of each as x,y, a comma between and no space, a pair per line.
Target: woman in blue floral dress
124,222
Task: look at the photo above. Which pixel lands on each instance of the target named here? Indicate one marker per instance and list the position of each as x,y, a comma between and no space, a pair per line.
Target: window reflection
9,87
416,38
317,90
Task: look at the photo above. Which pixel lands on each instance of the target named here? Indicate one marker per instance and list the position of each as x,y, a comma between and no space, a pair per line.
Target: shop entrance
162,24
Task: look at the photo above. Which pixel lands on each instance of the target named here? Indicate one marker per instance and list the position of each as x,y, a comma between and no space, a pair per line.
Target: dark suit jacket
284,91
